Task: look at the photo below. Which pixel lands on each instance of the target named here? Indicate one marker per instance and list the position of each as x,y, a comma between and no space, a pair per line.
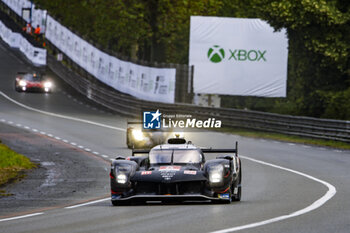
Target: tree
319,46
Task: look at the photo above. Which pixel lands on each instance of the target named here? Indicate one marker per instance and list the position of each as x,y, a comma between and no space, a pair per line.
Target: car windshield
33,78
171,156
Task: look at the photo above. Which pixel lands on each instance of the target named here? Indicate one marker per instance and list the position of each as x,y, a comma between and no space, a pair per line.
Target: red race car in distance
32,82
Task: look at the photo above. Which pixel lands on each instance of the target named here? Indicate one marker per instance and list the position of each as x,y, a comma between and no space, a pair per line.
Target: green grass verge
287,138
11,165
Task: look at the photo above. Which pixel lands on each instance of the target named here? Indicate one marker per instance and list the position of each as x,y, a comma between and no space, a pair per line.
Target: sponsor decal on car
168,174
170,168
146,173
188,172
224,196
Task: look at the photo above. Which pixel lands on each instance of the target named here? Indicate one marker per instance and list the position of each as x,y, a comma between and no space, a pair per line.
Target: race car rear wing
211,150
134,124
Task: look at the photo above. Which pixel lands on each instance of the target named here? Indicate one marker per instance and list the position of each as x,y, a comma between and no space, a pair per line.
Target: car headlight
122,178
122,172
137,135
48,84
22,83
216,173
179,134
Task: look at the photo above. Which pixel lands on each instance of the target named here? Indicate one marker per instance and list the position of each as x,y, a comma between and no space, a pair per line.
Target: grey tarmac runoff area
286,187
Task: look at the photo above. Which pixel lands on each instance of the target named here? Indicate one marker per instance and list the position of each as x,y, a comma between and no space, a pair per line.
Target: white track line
61,116
19,217
318,203
88,203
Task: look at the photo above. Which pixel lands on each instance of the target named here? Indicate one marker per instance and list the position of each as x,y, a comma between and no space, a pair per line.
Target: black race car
176,171
32,81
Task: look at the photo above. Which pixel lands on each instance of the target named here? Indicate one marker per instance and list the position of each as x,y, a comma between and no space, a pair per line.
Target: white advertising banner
147,83
15,40
234,56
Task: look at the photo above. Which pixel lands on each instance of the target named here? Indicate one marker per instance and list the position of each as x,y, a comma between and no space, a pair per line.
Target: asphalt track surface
286,187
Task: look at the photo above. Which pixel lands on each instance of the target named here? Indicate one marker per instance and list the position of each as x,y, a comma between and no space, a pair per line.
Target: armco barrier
124,104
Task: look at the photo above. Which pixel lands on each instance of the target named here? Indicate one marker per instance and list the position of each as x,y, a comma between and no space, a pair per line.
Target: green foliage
173,21
338,104
11,163
9,158
154,30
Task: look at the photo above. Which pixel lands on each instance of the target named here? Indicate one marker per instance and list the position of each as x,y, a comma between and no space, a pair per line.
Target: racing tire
237,197
115,203
120,203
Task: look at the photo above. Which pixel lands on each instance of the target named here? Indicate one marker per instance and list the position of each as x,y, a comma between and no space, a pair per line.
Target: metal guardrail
127,105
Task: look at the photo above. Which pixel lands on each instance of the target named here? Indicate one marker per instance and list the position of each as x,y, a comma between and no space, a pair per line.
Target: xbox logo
216,54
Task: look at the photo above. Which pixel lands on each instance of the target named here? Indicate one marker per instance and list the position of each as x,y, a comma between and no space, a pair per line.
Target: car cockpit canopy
175,156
